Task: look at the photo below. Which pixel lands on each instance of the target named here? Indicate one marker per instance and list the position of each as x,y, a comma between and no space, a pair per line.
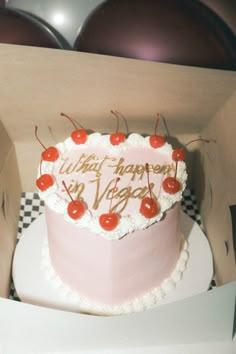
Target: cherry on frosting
79,136
75,208
117,137
49,154
171,185
149,207
110,220
45,180
155,140
179,154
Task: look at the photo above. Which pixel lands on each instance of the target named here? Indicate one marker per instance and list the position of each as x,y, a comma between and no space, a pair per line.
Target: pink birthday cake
112,208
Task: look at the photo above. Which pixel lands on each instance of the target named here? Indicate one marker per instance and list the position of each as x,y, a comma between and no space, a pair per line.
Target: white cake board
33,287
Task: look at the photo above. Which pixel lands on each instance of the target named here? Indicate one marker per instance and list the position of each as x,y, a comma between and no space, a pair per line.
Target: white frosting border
128,223
144,302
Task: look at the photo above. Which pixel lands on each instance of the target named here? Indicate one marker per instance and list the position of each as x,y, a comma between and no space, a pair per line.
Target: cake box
38,84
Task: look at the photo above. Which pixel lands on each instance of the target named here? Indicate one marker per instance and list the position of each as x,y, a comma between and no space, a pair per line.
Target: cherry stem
113,191
36,135
157,122
124,119
40,167
118,115
176,166
71,120
159,192
118,119
67,190
147,170
192,141
121,115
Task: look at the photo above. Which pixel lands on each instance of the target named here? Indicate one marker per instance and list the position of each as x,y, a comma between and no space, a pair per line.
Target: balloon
17,27
179,32
65,16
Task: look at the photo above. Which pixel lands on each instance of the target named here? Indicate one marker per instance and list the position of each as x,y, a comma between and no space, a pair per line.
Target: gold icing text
121,195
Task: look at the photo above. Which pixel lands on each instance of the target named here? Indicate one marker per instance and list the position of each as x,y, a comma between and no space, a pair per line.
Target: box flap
9,208
215,184
205,318
6,145
39,83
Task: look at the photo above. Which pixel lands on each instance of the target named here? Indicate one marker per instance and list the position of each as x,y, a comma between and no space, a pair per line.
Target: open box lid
202,319
40,83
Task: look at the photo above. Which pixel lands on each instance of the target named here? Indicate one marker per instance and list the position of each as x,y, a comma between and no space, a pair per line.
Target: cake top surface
110,178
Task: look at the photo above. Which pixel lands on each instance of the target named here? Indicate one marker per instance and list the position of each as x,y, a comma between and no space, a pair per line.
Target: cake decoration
85,171
179,154
117,137
149,207
110,220
171,185
49,154
79,136
45,180
157,141
75,208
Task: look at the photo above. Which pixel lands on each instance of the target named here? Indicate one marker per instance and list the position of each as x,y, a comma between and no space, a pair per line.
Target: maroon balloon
180,32
18,27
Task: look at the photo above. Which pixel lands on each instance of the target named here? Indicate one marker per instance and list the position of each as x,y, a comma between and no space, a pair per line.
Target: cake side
114,272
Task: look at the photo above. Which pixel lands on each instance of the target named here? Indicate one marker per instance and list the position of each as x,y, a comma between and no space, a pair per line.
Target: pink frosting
113,272
96,187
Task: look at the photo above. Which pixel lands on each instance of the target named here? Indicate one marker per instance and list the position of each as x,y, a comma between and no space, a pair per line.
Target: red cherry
156,141
117,138
171,185
149,208
76,209
44,182
179,154
109,221
50,154
79,136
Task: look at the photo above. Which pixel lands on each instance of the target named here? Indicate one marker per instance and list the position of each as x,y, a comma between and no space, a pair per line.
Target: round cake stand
33,287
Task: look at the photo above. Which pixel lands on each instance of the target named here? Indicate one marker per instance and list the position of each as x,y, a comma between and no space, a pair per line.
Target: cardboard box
36,85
